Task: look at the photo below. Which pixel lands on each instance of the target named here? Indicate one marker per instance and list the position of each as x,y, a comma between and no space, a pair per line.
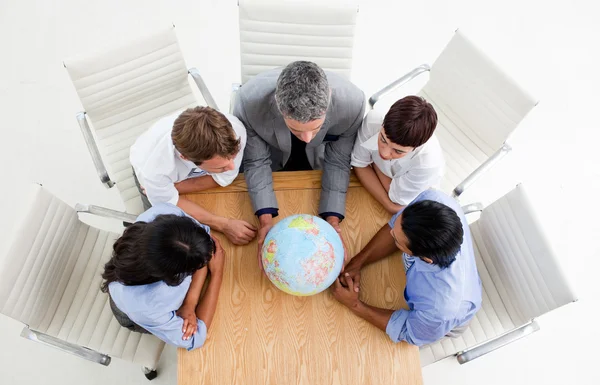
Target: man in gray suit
299,118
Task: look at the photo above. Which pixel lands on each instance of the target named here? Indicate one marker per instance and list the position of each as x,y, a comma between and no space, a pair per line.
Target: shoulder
256,99
260,85
155,141
373,121
159,209
437,196
430,154
238,126
159,129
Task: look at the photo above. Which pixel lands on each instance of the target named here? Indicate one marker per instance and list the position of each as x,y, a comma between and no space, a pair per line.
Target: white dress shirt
412,174
158,165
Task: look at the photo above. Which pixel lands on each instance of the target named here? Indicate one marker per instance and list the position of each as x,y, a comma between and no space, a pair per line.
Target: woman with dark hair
156,274
397,156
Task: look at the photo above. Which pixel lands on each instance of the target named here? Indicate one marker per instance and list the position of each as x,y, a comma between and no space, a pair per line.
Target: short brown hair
410,122
201,133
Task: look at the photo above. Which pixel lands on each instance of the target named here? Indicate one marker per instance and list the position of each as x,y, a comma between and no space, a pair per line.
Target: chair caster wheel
150,374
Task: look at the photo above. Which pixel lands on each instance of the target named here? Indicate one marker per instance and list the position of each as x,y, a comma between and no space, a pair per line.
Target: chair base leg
150,374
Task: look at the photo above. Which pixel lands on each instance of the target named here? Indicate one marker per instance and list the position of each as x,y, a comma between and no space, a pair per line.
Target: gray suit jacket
269,143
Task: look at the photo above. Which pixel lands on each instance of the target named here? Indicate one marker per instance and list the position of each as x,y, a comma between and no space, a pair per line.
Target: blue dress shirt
153,306
439,299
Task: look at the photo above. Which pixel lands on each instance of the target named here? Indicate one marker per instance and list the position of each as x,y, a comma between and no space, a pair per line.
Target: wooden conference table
261,335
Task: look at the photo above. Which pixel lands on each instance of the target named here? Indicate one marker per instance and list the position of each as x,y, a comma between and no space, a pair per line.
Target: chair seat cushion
490,321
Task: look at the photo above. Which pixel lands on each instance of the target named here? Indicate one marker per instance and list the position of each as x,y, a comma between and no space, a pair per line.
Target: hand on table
239,232
352,270
345,291
335,223
190,323
266,223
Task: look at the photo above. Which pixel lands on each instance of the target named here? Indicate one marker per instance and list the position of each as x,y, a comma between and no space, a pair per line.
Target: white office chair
478,107
50,281
520,275
124,91
274,33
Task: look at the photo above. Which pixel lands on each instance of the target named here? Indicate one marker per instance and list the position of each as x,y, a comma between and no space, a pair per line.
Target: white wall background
550,47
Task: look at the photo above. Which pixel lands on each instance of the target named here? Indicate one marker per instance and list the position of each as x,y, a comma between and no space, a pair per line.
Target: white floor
548,46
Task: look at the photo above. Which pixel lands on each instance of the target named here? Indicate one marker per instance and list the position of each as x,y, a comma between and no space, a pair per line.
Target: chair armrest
498,342
203,88
479,171
93,149
472,208
65,346
398,83
104,212
235,88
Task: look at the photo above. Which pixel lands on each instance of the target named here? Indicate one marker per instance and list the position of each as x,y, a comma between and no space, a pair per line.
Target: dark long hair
167,249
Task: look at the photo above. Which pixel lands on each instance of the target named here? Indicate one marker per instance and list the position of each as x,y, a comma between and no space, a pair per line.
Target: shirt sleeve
160,191
424,174
159,209
415,327
361,157
405,188
168,327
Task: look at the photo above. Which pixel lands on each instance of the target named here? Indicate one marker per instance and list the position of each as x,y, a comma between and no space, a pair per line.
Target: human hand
190,323
335,223
216,263
352,270
266,223
239,232
345,292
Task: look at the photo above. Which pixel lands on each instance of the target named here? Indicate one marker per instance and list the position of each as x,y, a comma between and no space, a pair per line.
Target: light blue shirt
439,299
153,306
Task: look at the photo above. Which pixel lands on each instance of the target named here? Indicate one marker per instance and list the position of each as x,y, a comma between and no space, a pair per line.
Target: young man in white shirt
397,157
194,150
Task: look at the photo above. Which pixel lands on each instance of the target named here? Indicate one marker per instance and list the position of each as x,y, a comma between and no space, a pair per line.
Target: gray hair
302,92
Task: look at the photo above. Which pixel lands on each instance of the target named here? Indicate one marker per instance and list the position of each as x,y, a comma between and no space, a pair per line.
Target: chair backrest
274,33
50,280
519,259
481,103
124,91
36,270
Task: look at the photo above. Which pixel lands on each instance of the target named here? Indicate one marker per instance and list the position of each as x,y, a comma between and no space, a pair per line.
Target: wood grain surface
283,180
261,335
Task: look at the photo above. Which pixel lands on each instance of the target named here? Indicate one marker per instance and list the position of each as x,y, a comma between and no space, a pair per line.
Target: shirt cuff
359,163
396,325
267,210
332,214
199,338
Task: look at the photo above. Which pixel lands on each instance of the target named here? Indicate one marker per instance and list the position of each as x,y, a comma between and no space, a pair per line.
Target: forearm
193,295
196,184
385,180
379,247
334,188
374,315
369,180
208,304
201,215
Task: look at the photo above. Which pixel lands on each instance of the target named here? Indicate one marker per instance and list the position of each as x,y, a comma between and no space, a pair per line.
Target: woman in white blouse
396,157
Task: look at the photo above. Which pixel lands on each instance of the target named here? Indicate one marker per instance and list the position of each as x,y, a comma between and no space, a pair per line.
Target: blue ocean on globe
302,255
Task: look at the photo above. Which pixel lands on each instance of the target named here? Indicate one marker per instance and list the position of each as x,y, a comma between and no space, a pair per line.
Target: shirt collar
422,265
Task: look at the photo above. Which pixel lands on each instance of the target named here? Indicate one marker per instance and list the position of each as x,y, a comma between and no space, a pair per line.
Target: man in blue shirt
443,290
